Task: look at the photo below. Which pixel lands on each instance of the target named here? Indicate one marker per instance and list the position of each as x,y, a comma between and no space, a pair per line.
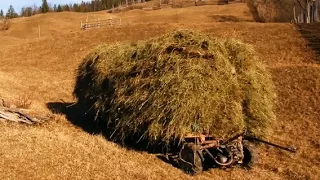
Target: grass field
44,70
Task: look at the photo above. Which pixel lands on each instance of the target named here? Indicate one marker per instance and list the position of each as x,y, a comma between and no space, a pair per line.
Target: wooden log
8,117
16,115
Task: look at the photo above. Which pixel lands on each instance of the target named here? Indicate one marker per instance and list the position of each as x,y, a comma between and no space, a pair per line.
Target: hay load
179,83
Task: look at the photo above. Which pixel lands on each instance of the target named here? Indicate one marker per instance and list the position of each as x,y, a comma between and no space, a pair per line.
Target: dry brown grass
5,24
21,102
60,150
55,24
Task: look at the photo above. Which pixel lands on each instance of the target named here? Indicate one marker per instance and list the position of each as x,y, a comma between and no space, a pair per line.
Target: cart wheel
224,158
191,159
250,157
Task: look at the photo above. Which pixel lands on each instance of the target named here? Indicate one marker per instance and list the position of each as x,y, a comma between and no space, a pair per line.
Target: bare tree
308,11
298,11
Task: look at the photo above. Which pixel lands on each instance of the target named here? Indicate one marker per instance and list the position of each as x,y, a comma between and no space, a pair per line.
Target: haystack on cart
159,89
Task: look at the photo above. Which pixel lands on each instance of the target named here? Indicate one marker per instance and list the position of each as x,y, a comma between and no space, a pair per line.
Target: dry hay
179,83
5,24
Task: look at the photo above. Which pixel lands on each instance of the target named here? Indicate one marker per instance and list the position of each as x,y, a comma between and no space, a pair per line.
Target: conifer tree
45,6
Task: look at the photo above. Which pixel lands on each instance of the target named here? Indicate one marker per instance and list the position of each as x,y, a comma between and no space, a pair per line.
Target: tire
190,159
250,156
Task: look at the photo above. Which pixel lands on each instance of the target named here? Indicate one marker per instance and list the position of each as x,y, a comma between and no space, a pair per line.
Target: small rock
280,170
233,71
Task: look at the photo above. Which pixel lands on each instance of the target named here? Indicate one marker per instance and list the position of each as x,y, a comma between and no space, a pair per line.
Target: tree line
298,11
91,6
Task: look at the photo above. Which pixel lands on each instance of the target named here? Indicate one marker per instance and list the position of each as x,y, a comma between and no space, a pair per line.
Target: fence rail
189,3
96,24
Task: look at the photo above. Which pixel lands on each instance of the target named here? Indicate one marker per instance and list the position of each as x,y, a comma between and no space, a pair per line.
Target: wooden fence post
39,29
110,21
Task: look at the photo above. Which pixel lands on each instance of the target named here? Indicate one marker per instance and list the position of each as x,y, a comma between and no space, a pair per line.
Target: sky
18,4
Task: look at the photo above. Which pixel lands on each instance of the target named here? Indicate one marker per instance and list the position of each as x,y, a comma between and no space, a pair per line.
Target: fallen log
17,115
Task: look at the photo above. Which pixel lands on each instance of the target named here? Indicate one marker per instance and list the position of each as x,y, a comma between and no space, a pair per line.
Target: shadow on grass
170,159
226,18
83,119
311,33
74,114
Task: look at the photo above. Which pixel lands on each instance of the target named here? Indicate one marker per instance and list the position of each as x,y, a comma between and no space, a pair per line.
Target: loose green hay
179,83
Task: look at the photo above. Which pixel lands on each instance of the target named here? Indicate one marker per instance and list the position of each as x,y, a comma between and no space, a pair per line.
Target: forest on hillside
90,6
298,11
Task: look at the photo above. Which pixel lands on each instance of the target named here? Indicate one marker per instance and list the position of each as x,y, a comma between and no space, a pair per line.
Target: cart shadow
76,115
169,160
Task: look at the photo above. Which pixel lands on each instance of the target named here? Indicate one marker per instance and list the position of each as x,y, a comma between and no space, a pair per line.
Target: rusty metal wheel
191,158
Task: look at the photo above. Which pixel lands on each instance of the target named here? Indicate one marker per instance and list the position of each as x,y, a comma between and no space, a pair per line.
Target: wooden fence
189,3
96,24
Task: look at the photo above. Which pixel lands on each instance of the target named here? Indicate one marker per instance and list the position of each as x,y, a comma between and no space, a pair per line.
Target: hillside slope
56,24
44,69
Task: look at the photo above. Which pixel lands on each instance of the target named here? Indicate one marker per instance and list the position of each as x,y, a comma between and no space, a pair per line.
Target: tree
35,9
55,7
76,8
45,6
66,7
23,12
59,9
29,11
306,11
11,13
1,13
316,11
83,7
26,11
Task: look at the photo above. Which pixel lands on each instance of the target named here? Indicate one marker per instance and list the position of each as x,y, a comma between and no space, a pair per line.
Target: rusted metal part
224,153
290,149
